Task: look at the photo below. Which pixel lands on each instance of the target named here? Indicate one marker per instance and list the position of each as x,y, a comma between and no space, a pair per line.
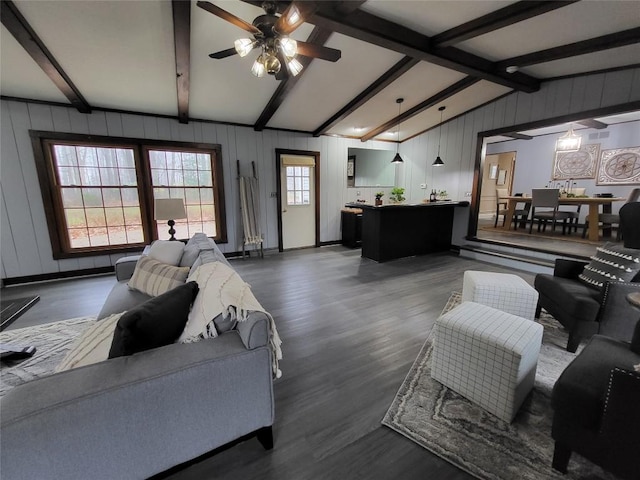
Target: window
298,185
99,192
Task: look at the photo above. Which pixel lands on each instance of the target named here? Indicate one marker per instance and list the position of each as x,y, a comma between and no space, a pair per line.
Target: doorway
497,174
298,192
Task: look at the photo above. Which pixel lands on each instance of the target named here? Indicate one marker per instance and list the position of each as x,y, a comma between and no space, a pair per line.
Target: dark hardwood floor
351,329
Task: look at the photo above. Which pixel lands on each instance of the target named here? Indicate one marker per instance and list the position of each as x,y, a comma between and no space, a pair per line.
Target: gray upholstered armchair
596,398
577,304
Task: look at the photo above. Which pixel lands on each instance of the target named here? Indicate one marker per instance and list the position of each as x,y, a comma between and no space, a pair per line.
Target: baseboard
45,277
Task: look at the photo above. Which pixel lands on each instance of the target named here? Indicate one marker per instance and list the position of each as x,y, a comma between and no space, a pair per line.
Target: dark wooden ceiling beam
509,15
429,102
392,36
592,123
376,87
13,20
605,42
318,36
182,41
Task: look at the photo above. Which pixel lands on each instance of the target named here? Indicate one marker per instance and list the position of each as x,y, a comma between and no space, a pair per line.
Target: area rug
477,442
52,342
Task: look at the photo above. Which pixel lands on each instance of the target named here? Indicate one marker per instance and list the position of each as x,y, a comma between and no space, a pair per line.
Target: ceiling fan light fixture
258,68
289,47
272,64
569,142
295,67
243,46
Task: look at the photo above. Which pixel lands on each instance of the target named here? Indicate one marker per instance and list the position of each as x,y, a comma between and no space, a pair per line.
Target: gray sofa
140,415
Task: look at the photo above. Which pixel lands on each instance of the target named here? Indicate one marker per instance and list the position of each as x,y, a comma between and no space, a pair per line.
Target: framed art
493,171
575,165
619,166
351,166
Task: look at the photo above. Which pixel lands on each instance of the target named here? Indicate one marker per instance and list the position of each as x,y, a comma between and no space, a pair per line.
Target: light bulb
295,67
258,67
289,46
243,46
293,16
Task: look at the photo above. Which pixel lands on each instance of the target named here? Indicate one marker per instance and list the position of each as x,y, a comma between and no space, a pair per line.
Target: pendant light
438,161
398,158
569,142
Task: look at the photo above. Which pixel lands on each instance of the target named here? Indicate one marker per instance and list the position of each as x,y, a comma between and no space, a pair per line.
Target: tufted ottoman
503,291
486,355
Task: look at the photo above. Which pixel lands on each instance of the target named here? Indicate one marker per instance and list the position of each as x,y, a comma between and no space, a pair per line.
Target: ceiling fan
270,35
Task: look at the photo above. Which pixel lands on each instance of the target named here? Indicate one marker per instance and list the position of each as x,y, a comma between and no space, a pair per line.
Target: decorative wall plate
578,164
619,166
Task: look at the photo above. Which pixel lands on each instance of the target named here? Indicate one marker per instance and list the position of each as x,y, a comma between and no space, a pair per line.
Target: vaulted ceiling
152,57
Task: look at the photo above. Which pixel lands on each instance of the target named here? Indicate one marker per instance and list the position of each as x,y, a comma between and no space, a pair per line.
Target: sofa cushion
92,346
167,251
155,323
189,255
120,299
155,278
611,263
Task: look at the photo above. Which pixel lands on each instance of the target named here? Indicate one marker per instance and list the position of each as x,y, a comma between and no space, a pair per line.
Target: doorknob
284,211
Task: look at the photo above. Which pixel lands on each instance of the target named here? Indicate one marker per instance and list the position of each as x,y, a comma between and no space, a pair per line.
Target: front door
298,197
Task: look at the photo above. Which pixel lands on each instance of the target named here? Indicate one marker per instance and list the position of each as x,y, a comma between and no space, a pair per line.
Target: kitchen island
397,231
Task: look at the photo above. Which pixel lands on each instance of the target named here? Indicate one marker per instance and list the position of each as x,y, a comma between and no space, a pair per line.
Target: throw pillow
155,278
611,263
189,255
92,346
167,251
154,323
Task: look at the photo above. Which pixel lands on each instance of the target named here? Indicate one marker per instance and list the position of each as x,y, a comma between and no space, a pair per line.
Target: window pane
87,156
208,213
72,197
305,198
189,161
69,175
132,216
206,195
135,234
297,171
290,183
192,196
298,197
115,217
305,171
175,178
95,217
79,237
159,177
210,229
117,236
128,176
204,161
174,160
125,157
92,197
194,213
157,159
109,176
205,179
129,196
65,155
191,178
107,157
98,237
90,176
298,183
305,183
290,171
291,198
161,193
75,217
111,197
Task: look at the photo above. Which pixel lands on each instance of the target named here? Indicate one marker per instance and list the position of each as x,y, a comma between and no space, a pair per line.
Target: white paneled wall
25,245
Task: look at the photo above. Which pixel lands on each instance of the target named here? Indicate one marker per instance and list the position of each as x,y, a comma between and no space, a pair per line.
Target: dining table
594,203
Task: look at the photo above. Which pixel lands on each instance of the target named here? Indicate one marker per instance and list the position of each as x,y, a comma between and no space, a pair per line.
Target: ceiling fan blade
224,53
229,17
318,51
294,16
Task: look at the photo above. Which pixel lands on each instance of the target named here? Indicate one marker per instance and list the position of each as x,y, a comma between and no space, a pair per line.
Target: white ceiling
121,55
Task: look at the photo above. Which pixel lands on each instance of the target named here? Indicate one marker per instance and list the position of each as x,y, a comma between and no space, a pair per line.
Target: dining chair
575,214
613,218
547,198
519,215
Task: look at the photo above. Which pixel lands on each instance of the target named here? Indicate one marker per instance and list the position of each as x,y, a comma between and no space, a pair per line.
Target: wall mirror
370,168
